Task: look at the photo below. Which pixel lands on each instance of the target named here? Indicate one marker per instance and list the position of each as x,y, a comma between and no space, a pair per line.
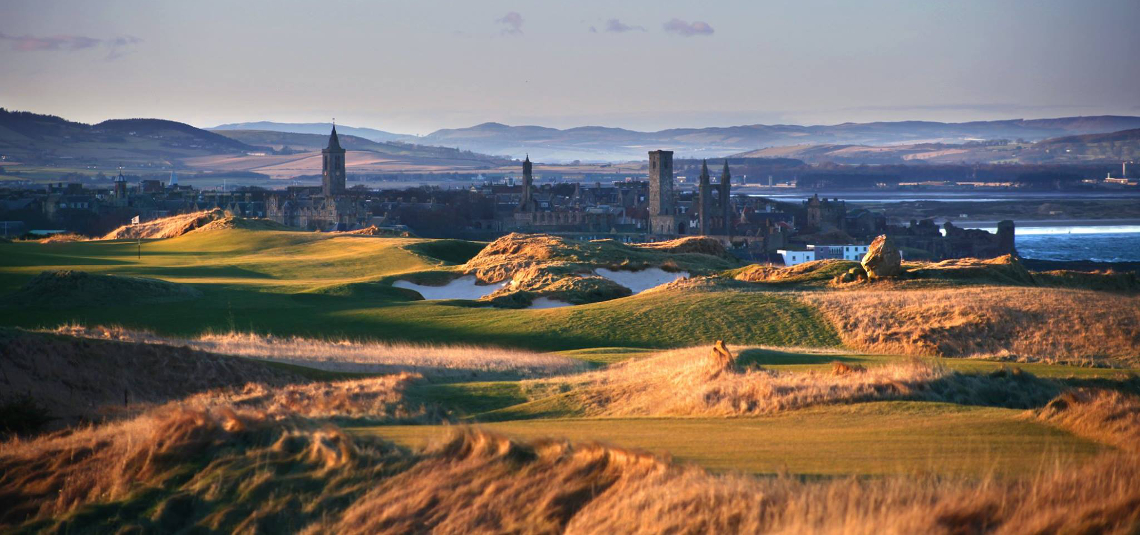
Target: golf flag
135,220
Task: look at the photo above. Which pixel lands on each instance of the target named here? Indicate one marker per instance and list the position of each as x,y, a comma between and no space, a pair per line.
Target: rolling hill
48,145
34,138
595,143
370,134
1109,147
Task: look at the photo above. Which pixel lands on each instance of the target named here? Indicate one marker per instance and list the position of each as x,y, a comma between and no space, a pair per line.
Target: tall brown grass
166,227
433,361
238,469
691,382
1044,324
250,473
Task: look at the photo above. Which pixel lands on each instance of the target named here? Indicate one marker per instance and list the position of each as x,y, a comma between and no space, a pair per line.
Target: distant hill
285,141
47,139
594,143
370,134
46,145
1108,147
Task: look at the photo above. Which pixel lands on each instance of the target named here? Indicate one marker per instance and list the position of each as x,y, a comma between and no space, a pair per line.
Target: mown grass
321,286
864,439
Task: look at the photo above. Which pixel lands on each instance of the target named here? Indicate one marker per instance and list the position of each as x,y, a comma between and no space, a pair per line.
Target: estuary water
1099,243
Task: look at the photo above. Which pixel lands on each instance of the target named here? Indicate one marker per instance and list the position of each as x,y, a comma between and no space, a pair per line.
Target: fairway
333,286
867,439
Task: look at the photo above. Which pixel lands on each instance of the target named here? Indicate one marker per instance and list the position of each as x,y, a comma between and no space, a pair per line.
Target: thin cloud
617,26
687,29
512,23
117,47
31,43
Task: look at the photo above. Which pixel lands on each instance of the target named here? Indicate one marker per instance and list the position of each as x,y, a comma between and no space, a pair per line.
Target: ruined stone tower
332,167
704,198
726,200
662,213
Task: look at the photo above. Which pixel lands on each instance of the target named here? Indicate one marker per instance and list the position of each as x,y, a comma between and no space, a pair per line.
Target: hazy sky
415,66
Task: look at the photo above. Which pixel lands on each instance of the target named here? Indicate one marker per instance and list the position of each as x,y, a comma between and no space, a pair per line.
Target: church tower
662,213
526,202
704,197
726,199
332,167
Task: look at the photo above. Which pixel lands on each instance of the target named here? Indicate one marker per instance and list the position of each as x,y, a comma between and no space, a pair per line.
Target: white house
792,258
823,252
843,252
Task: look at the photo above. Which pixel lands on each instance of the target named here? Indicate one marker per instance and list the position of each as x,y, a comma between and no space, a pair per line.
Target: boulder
883,259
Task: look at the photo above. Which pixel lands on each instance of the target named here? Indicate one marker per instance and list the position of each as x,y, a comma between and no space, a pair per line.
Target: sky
416,66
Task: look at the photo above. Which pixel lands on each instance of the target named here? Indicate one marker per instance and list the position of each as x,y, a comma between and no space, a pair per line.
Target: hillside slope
615,144
34,138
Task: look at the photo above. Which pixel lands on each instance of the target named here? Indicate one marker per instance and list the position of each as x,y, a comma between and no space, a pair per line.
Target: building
330,208
333,167
823,252
662,210
792,258
704,194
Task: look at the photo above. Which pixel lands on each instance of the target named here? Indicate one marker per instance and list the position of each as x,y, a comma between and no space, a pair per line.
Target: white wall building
823,252
792,258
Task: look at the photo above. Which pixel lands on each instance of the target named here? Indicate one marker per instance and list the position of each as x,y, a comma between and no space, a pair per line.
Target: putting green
865,439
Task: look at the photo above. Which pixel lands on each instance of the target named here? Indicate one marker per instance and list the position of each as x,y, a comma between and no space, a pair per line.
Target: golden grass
434,361
480,482
1034,324
166,227
63,238
264,467
691,382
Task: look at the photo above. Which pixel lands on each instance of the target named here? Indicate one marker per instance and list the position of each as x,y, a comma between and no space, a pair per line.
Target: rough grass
449,362
166,227
693,382
1052,325
232,471
78,380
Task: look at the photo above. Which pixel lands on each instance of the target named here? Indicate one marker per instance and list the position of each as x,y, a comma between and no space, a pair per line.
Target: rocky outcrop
882,259
538,265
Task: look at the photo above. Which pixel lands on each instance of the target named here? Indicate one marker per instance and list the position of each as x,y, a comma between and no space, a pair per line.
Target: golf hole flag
135,220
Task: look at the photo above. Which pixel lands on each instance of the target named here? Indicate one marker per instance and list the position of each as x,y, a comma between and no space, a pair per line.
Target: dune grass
1038,324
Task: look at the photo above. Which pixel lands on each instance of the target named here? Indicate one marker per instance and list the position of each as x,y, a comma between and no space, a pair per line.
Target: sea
1052,240
1103,243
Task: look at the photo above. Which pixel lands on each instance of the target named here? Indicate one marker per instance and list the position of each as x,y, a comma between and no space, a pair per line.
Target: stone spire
704,199
333,172
726,199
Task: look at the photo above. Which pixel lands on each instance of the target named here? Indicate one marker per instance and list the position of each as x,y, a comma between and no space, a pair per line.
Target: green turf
870,438
805,361
311,284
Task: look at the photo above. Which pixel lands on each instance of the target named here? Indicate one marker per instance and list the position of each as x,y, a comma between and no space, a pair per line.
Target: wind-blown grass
431,361
237,471
691,382
1052,325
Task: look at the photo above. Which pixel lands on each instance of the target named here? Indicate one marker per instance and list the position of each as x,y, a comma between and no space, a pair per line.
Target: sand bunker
546,302
639,281
461,288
